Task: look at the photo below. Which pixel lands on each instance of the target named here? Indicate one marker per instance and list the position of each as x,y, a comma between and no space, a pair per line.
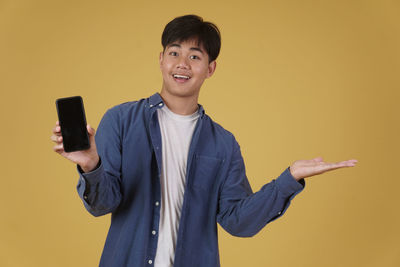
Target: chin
182,92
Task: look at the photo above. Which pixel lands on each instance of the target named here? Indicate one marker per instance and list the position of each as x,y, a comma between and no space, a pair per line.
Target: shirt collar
156,101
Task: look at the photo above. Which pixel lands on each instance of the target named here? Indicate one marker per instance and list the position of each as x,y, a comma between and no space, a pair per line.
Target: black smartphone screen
71,115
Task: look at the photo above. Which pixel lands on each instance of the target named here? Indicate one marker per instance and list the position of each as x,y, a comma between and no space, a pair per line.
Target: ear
211,68
160,59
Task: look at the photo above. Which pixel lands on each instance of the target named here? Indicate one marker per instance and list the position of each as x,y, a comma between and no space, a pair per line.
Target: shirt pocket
205,173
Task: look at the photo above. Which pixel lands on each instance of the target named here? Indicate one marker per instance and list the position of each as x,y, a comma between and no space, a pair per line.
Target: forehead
192,44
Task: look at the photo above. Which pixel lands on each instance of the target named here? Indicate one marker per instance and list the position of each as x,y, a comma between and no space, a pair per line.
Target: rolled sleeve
243,213
87,180
288,188
288,185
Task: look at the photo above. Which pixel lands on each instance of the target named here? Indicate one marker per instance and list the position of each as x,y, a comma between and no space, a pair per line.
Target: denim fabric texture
127,185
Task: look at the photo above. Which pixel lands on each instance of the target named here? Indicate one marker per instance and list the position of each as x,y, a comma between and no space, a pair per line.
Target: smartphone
71,115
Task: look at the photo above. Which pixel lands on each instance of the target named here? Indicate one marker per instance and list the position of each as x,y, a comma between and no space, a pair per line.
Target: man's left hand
306,168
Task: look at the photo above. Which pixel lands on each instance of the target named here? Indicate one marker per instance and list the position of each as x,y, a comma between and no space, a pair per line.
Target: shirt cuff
93,176
82,172
288,185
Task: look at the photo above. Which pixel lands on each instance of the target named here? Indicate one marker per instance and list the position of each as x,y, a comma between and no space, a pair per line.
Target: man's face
184,66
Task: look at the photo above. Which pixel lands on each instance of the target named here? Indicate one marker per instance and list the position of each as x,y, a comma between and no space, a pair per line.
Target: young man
168,173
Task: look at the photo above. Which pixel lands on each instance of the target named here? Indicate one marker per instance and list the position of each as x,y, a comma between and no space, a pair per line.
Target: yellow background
294,80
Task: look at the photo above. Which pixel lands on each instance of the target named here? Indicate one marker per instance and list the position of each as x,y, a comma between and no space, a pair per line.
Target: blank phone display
72,119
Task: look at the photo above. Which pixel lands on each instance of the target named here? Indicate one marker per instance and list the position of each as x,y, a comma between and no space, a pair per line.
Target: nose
183,63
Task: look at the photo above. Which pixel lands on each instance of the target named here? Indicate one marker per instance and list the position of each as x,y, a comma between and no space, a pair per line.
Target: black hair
189,27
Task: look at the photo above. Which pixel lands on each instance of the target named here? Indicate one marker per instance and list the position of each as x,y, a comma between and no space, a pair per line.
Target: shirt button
150,261
157,203
279,213
153,232
85,197
151,105
161,104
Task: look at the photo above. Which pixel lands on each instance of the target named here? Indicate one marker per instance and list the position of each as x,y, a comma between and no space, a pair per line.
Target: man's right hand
86,159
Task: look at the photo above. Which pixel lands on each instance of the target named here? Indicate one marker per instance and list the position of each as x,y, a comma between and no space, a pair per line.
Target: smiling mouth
181,77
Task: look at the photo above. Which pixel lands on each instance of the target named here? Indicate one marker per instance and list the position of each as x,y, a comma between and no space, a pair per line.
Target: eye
173,53
194,57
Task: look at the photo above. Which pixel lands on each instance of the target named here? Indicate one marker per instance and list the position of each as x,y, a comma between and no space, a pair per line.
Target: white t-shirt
176,135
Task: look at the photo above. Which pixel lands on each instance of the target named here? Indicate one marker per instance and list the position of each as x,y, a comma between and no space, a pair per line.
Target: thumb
319,159
90,130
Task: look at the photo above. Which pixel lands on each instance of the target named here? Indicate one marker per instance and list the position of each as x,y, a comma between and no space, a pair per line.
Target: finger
334,166
56,139
353,160
318,159
314,162
348,162
59,148
325,168
57,130
57,123
90,130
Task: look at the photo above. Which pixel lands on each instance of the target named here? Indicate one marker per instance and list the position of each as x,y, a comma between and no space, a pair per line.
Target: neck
182,105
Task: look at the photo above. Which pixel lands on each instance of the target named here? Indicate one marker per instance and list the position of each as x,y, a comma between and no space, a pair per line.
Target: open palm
307,168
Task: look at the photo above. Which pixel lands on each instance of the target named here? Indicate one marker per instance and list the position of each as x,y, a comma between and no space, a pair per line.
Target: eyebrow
194,48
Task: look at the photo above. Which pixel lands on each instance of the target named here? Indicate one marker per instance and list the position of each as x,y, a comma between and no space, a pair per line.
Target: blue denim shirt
127,184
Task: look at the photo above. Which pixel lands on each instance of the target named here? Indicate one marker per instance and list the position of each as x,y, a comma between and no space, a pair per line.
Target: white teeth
181,76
